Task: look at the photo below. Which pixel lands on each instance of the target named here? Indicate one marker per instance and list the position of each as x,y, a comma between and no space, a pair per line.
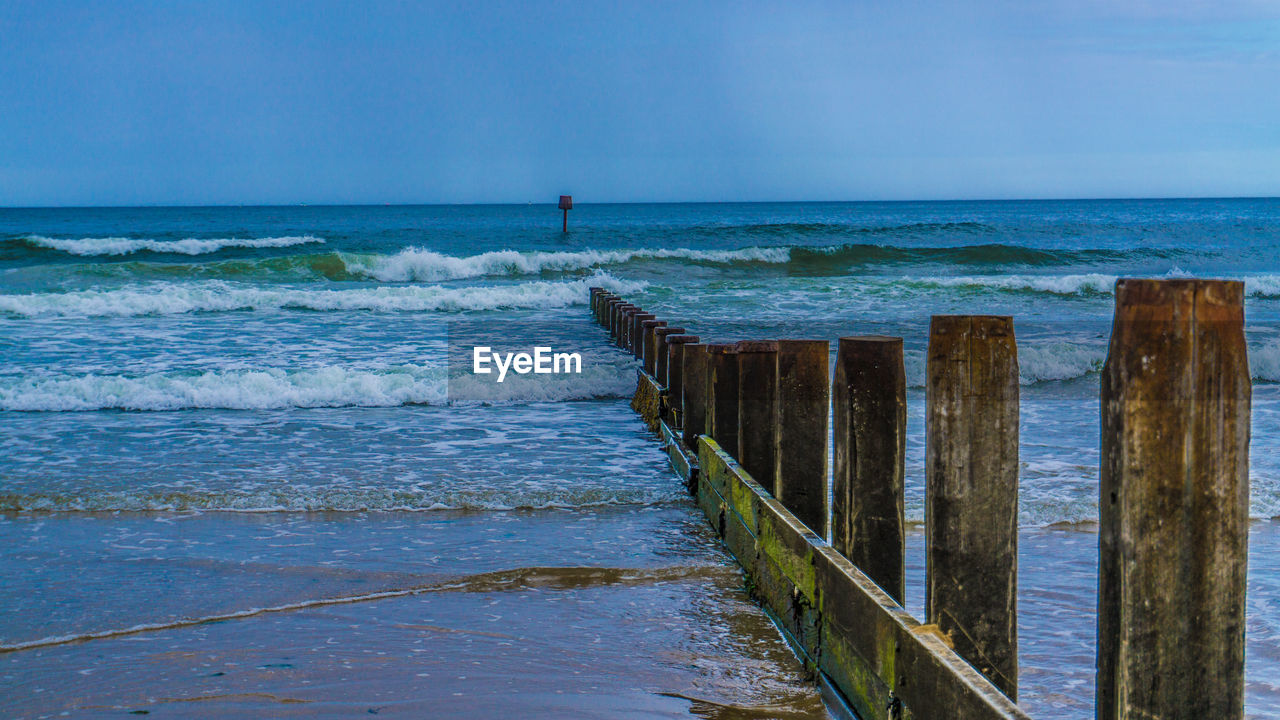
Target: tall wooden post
619,313
635,335
722,396
628,321
869,407
758,410
606,313
804,399
1174,503
693,398
645,341
656,352
675,376
971,491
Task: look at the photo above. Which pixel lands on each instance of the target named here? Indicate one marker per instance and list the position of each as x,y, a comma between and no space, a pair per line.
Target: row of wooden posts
1173,495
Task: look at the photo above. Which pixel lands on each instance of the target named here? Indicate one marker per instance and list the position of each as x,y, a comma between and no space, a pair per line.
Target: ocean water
238,471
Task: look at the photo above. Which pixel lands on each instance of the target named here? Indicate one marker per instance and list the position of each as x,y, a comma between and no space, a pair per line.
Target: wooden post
656,352
971,491
1174,503
693,397
869,408
635,333
647,329
804,392
606,312
615,323
722,396
758,410
675,382
624,331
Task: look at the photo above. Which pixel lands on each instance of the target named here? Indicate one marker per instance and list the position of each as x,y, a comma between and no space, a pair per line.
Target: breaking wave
262,389
327,386
1081,285
166,298
1060,361
416,264
106,246
1036,362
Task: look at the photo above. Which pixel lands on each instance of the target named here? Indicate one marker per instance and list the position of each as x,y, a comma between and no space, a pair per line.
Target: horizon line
577,203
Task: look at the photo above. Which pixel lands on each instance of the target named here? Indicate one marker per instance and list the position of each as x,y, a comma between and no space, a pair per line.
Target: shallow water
605,612
163,367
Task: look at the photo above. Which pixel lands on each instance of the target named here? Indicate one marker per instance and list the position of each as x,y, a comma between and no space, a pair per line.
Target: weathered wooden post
606,304
635,340
656,352
758,410
804,392
615,324
628,319
606,313
1174,503
675,377
722,396
971,491
693,397
643,351
594,295
869,408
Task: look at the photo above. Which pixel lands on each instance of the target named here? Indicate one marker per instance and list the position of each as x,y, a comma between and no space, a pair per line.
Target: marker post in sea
566,204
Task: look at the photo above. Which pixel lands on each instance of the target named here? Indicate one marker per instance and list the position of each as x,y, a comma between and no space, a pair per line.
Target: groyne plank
885,663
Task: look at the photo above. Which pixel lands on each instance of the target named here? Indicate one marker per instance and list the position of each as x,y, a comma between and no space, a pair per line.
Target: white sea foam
1048,362
1264,362
219,296
600,378
186,246
1088,284
415,264
266,388
1036,362
1085,284
326,386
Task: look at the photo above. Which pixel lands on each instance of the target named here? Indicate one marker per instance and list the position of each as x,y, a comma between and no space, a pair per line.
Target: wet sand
615,612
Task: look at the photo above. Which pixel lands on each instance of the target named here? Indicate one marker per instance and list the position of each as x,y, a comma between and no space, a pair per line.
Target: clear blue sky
110,103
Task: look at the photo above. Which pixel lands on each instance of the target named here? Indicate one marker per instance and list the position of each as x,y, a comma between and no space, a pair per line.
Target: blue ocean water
294,359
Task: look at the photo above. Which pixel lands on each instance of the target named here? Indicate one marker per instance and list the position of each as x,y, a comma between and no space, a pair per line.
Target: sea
242,472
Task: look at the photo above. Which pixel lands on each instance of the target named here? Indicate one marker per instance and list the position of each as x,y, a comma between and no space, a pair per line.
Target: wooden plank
884,662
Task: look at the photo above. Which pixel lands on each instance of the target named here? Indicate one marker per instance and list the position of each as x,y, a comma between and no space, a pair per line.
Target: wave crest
327,386
164,298
416,264
107,246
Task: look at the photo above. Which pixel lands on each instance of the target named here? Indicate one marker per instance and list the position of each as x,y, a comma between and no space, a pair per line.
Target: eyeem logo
542,362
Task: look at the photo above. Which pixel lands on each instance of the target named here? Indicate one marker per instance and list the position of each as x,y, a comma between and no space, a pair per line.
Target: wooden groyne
745,426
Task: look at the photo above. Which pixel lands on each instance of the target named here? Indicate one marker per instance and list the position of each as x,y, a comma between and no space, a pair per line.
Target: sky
219,102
